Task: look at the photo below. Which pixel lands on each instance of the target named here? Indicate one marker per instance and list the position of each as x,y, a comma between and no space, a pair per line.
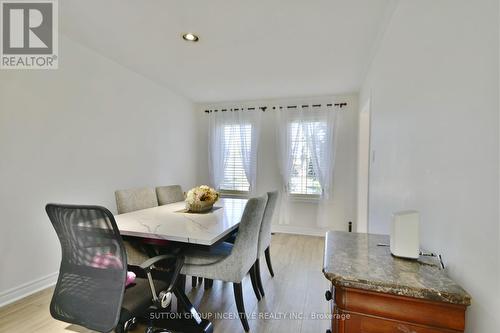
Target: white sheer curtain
320,128
316,127
248,147
286,149
246,120
218,151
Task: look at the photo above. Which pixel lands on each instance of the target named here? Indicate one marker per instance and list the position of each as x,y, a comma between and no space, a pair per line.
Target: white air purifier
405,241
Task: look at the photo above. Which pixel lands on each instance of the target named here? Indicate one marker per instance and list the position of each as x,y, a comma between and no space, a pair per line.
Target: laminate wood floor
294,297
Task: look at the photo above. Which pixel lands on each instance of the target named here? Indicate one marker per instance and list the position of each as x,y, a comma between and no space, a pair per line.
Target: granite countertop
355,260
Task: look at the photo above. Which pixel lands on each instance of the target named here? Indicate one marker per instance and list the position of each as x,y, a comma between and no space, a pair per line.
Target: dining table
173,222
174,225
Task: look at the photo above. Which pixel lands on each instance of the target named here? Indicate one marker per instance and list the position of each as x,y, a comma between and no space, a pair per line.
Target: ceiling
247,50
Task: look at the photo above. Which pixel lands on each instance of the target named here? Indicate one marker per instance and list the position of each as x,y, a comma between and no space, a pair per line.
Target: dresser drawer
418,312
364,324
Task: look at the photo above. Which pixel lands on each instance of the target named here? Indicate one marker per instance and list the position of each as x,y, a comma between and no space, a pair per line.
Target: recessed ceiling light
190,37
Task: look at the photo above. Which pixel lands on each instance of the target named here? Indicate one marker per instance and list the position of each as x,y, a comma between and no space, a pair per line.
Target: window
303,178
234,138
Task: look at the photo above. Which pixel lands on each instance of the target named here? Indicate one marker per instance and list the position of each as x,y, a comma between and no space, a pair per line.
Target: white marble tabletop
171,222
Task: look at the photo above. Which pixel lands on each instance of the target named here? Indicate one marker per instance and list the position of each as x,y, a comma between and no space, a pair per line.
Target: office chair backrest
91,283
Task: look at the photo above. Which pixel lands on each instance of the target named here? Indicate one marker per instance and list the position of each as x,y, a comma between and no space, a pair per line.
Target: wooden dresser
375,292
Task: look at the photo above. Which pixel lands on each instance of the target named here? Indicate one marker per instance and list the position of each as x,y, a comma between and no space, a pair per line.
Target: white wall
302,214
363,168
435,125
75,135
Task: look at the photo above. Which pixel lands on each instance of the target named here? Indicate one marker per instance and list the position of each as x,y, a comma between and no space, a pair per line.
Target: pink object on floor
130,279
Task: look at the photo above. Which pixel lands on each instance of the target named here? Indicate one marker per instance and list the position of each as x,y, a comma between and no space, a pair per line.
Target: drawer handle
328,295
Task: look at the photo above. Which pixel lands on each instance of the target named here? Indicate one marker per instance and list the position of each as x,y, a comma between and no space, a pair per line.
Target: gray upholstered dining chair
169,194
135,199
265,237
131,200
231,263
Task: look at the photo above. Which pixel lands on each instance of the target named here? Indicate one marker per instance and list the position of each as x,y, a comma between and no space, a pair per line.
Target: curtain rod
264,108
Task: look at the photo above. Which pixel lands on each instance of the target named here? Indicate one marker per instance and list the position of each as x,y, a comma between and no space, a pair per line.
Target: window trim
310,198
234,193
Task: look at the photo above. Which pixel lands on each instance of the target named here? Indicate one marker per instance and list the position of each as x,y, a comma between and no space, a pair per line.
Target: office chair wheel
152,330
129,325
165,298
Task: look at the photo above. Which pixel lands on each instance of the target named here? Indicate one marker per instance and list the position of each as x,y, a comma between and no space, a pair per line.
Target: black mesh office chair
90,290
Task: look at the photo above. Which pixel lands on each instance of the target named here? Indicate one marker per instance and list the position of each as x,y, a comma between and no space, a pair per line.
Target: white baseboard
296,230
26,289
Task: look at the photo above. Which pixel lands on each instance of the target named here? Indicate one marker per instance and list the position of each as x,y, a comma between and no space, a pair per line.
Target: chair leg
181,282
253,278
268,261
194,281
240,305
181,285
208,283
259,280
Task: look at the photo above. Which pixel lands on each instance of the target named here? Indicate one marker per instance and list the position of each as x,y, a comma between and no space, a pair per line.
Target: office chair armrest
148,264
167,294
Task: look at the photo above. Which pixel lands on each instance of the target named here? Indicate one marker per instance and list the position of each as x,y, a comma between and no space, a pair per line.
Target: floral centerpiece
201,199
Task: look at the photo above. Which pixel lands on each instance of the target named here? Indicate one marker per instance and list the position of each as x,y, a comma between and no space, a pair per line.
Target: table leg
191,321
